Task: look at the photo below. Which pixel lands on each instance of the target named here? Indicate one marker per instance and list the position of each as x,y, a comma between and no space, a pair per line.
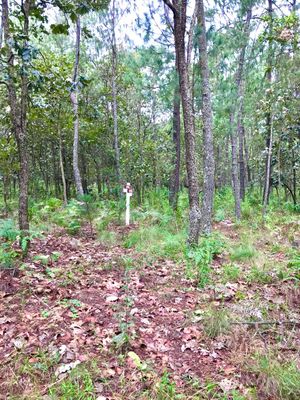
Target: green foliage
70,217
259,275
8,230
278,379
10,234
166,389
215,322
157,241
199,258
242,252
8,256
231,273
78,386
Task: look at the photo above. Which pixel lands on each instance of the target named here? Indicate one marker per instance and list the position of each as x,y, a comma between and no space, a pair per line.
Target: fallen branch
266,323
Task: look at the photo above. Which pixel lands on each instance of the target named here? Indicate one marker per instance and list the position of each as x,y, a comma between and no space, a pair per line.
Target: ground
82,319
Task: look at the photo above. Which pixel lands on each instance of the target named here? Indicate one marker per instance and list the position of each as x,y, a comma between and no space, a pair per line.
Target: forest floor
87,320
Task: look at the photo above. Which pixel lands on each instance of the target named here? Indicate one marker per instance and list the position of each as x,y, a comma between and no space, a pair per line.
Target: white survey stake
128,191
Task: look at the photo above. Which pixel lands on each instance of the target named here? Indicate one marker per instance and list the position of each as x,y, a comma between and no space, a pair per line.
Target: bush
199,258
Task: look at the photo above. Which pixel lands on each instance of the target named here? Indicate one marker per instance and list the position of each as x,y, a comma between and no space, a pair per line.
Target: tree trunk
18,110
5,193
247,160
74,101
268,171
175,175
178,8
62,170
208,146
294,177
240,82
114,96
235,173
268,168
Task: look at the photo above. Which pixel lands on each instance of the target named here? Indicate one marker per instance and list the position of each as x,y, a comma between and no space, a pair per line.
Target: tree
179,10
208,146
74,100
17,85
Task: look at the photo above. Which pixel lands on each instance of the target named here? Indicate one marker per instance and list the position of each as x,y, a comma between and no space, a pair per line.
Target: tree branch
170,5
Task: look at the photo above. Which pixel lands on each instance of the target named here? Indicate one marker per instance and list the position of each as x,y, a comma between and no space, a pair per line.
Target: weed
78,386
157,241
243,252
107,237
231,273
8,231
8,256
73,305
280,380
220,215
215,322
166,389
259,275
199,259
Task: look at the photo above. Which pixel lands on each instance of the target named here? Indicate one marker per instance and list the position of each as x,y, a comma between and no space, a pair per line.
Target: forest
149,200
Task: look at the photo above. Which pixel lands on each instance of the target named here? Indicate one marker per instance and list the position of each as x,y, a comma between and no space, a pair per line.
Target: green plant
78,386
215,321
73,305
199,259
8,231
8,256
107,237
242,252
166,389
259,275
157,241
220,215
231,273
278,379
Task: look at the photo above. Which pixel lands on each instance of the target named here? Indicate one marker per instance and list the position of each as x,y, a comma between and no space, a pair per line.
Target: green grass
230,273
243,252
277,379
259,274
157,241
215,322
77,386
199,258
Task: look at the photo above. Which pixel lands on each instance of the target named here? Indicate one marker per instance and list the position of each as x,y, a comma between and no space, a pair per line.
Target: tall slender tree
17,85
208,145
114,91
269,116
175,174
240,83
74,100
179,10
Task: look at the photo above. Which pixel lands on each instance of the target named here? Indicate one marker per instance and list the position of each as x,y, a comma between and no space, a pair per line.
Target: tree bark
114,95
240,82
268,171
74,101
268,168
62,170
235,173
175,175
18,110
208,146
178,8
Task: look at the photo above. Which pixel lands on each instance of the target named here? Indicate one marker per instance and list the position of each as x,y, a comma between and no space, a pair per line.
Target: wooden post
128,191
